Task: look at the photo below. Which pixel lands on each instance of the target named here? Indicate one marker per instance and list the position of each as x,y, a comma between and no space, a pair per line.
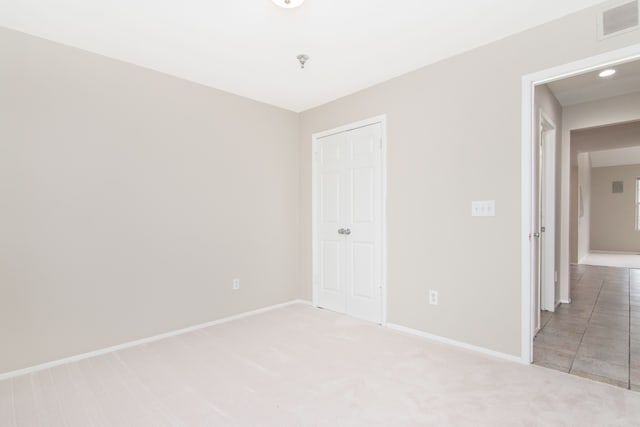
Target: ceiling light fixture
288,4
607,73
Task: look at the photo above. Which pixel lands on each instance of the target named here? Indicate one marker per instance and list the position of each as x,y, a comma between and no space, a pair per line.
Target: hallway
597,336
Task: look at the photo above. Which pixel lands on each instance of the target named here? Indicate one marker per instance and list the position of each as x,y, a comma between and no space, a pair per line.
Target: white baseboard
102,351
455,343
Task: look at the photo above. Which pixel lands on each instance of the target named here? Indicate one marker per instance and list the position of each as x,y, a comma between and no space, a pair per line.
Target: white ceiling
249,47
589,87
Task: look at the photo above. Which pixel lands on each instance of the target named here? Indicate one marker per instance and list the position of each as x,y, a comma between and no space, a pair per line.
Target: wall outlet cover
433,297
483,208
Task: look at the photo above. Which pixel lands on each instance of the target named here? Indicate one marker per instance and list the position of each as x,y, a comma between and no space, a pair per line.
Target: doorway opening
532,253
586,322
608,169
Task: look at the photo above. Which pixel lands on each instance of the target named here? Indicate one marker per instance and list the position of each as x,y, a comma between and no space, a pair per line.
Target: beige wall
463,111
129,200
613,226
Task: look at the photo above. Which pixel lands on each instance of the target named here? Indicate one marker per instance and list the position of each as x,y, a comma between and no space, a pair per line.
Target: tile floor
597,336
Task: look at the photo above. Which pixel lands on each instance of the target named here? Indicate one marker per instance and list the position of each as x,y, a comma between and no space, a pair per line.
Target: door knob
341,231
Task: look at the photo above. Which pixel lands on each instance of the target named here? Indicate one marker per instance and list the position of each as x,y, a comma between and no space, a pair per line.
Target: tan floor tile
560,332
614,309
617,304
573,326
634,355
613,290
554,359
619,343
588,283
579,305
634,376
634,328
588,367
545,316
584,292
616,355
575,308
613,321
574,316
564,341
605,332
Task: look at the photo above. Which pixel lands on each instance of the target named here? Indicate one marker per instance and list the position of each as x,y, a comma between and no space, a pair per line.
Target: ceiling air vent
620,18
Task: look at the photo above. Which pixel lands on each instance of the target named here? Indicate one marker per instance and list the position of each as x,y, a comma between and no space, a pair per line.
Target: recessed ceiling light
288,4
607,73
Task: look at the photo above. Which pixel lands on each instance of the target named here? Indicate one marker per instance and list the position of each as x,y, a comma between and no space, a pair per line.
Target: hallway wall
613,215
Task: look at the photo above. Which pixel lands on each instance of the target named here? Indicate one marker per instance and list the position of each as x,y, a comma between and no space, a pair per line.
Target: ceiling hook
303,59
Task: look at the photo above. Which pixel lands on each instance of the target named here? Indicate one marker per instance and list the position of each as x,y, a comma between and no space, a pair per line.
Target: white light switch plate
483,208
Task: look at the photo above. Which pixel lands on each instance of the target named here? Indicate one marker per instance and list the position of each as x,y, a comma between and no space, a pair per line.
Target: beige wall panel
613,226
129,200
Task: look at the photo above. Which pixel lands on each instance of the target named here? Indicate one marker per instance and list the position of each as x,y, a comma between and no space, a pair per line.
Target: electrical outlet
236,284
433,297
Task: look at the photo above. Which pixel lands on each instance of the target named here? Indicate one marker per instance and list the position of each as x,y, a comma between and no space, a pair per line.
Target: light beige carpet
301,366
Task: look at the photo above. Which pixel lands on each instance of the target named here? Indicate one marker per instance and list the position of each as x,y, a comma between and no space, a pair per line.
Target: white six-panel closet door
349,223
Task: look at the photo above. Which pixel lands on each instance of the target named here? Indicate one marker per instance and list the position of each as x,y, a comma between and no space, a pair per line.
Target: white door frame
548,154
529,82
382,119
